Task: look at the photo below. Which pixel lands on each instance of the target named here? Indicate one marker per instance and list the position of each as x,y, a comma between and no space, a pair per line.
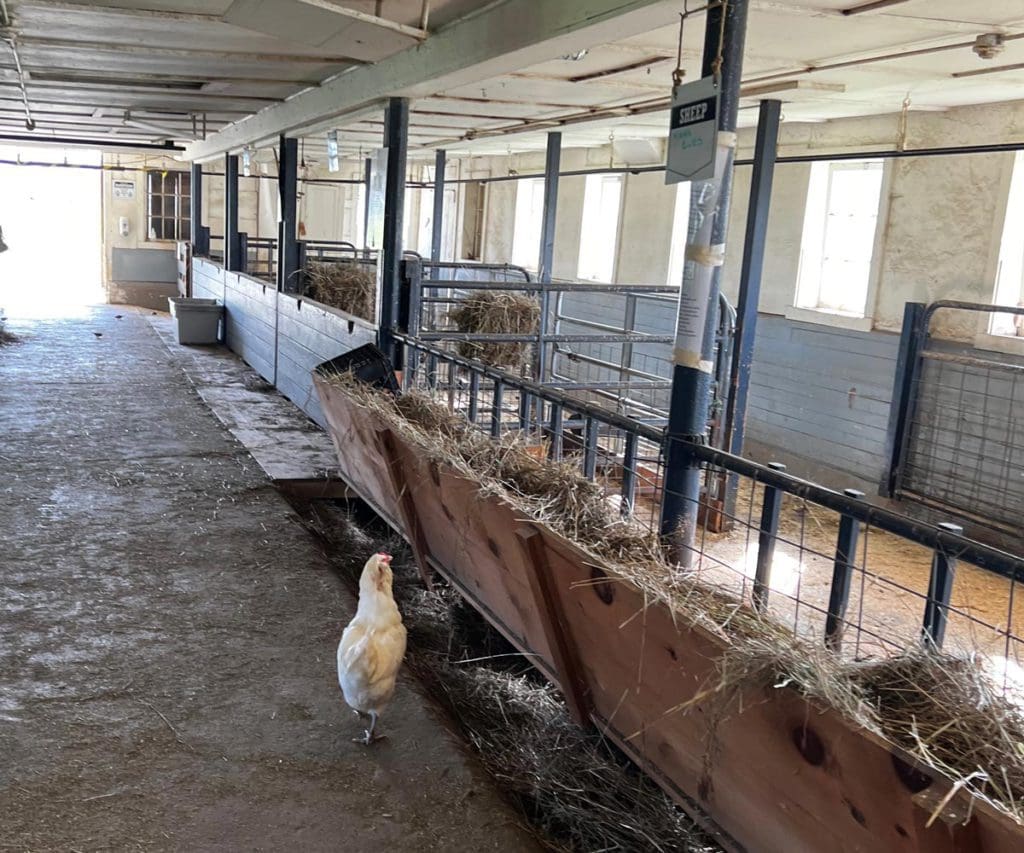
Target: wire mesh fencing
827,566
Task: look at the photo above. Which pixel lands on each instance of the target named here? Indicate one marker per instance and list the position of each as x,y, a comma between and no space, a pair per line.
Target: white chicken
371,649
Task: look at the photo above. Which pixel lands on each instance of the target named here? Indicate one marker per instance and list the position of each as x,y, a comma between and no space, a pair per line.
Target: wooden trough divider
773,770
407,507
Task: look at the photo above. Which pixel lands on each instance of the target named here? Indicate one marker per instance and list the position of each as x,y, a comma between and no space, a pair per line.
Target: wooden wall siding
309,334
207,280
825,391
250,319
776,773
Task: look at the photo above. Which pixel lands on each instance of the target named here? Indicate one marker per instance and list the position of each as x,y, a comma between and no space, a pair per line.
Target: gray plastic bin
197,321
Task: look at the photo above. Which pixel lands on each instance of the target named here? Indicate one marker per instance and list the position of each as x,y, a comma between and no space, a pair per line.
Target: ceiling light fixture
989,45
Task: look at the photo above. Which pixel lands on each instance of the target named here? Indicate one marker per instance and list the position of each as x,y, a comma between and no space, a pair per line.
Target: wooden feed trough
776,773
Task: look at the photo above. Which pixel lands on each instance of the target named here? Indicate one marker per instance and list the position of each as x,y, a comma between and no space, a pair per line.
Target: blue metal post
904,394
287,228
767,536
199,236
940,592
232,254
367,178
552,166
396,132
692,377
842,575
765,148
437,225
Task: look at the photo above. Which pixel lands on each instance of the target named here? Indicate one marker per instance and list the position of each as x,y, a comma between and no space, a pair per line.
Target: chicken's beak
385,558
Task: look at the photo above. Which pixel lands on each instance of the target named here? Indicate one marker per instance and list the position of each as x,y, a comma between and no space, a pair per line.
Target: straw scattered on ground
577,792
938,708
347,286
489,312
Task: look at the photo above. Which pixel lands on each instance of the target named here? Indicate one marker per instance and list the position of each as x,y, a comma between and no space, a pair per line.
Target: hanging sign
692,128
124,189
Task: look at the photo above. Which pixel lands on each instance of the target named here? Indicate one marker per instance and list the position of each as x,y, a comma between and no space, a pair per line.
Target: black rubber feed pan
368,364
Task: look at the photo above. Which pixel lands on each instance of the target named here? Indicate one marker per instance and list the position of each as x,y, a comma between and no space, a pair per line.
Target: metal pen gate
956,431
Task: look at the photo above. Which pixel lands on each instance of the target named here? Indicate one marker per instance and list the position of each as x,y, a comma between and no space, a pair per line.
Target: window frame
985,338
823,315
182,217
591,180
519,240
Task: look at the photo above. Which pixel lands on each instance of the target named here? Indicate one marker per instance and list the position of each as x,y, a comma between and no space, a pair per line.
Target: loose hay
348,286
577,792
940,709
489,312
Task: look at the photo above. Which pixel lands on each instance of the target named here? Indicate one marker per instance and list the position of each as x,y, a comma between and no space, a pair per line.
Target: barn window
528,221
838,242
602,206
680,230
168,203
1010,272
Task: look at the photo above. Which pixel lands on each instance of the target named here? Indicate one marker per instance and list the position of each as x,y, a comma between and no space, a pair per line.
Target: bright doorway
50,213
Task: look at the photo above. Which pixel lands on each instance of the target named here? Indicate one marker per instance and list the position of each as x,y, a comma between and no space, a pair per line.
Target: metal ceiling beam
86,142
502,37
206,110
185,52
365,18
89,8
39,90
91,71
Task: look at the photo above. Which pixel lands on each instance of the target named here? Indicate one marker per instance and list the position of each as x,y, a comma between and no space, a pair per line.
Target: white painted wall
941,235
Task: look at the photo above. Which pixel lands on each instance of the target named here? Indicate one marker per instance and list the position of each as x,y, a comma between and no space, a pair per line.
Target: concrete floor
167,633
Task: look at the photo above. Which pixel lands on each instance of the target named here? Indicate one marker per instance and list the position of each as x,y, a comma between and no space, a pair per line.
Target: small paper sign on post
692,129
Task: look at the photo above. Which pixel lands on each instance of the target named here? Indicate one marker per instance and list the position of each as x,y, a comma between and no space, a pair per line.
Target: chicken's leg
370,737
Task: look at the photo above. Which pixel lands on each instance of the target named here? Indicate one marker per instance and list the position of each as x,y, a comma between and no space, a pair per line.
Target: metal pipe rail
946,541
935,537
474,337
534,389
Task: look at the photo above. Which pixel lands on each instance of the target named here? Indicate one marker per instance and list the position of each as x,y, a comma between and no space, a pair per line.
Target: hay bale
492,312
344,285
939,708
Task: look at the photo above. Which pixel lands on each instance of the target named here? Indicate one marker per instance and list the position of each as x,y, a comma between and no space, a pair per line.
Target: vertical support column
232,254
200,236
552,166
765,148
367,178
396,131
940,592
842,575
437,224
709,217
766,538
287,227
904,395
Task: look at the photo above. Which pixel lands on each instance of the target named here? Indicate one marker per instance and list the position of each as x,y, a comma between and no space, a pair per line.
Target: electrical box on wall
122,226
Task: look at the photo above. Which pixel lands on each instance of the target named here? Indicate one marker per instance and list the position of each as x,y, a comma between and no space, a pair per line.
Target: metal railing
859,578
623,364
956,435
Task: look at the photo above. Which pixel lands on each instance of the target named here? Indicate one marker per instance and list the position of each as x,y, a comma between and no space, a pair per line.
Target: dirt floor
167,634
